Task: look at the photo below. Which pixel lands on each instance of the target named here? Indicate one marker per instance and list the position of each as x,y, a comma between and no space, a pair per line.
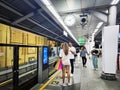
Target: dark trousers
72,65
84,60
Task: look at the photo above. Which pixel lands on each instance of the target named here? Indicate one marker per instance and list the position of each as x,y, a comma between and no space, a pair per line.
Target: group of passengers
67,54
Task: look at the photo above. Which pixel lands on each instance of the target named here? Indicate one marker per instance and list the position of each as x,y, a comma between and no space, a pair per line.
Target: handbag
58,65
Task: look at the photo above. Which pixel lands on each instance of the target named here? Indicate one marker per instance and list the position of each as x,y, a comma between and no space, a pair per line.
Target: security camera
83,19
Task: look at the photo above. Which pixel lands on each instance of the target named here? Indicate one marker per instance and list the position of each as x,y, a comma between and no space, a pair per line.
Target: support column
110,46
112,15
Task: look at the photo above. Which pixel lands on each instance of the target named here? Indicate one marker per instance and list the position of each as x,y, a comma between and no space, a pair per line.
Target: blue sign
45,55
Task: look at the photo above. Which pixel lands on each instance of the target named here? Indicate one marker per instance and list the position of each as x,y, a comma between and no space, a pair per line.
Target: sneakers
64,84
85,66
71,75
95,69
69,84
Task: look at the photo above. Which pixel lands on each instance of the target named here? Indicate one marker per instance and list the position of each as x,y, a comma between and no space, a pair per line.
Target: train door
18,67
27,68
6,67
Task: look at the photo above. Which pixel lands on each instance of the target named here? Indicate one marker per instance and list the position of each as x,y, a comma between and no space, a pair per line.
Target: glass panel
6,63
53,57
27,64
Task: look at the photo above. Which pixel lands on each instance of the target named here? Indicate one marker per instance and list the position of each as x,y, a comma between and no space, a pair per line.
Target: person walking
72,58
83,53
95,55
65,57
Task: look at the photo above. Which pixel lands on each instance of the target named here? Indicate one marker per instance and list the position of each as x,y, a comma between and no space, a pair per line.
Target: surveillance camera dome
83,19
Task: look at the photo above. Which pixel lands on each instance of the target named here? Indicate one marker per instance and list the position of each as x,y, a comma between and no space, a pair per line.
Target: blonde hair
65,48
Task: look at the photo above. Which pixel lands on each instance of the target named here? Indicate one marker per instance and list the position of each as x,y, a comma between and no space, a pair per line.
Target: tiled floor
90,79
86,79
75,81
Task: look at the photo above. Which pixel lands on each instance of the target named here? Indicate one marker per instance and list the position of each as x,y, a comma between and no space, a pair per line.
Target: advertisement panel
45,57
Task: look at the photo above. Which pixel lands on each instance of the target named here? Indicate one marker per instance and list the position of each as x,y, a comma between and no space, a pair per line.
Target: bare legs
66,69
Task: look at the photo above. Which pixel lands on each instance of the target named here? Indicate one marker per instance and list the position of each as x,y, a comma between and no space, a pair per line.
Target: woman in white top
65,57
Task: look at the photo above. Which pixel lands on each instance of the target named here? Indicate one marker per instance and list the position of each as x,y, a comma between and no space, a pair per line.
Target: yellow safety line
5,82
56,74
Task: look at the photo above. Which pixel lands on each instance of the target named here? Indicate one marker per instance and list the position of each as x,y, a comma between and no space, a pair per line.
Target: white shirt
65,58
71,54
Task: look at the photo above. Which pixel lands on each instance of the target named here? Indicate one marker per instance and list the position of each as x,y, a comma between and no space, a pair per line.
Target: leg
63,73
68,72
83,61
96,62
72,65
93,60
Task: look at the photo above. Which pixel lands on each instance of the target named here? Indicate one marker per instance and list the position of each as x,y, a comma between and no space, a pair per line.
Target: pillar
112,15
110,46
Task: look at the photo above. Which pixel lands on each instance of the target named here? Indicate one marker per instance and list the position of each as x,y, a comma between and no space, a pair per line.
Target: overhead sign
81,41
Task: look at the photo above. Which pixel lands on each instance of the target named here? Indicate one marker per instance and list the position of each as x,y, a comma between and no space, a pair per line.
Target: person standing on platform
65,57
83,53
72,58
95,55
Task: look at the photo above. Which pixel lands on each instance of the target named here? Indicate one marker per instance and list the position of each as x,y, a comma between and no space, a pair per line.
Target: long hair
65,48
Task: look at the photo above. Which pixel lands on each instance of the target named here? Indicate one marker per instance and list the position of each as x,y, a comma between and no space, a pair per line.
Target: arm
87,52
60,54
80,53
72,50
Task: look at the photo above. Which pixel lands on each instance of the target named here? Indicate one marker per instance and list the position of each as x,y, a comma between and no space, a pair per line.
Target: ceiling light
114,2
46,2
65,33
99,25
53,11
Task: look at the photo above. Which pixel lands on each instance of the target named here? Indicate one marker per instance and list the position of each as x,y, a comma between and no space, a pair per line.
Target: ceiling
29,16
32,16
80,7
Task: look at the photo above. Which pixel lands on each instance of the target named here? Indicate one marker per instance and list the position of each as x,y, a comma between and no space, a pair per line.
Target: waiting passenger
95,55
72,58
65,57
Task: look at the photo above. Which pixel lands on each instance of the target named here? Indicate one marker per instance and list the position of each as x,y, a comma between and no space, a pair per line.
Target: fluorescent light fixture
48,4
65,33
114,2
99,25
53,11
96,30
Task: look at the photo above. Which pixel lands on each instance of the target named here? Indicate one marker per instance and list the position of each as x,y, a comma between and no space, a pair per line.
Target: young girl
65,57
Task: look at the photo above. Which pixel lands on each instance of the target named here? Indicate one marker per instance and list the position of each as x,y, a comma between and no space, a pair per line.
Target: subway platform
85,78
